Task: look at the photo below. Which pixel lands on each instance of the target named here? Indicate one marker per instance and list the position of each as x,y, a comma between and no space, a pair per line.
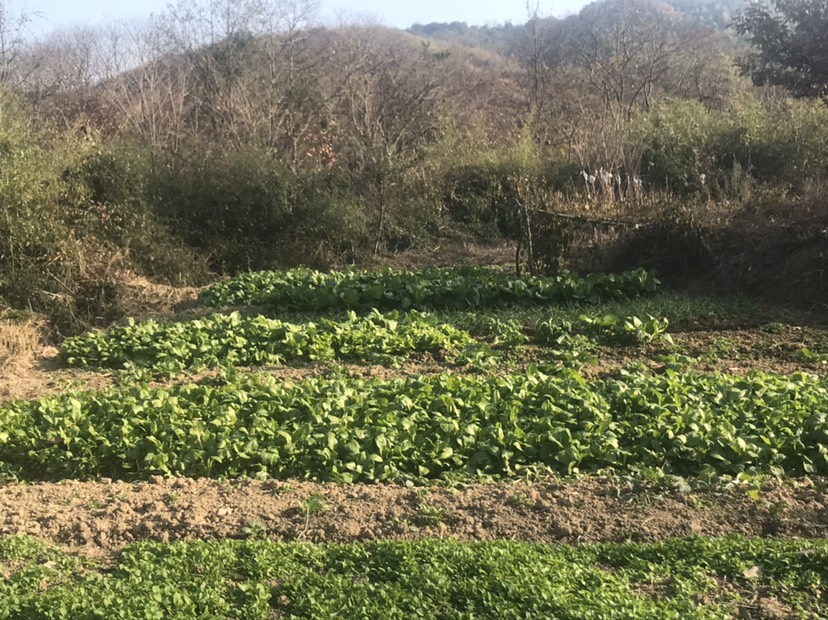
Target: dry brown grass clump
20,342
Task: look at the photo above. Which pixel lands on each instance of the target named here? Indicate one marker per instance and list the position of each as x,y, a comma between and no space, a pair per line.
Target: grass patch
681,579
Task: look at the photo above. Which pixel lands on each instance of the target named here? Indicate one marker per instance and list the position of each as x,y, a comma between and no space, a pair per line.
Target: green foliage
468,287
696,578
682,140
222,340
36,247
790,45
250,211
607,329
480,197
313,505
675,139
418,428
502,333
680,309
814,357
69,220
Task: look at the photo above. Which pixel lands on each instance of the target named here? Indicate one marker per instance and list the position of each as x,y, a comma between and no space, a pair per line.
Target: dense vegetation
226,137
304,290
227,341
230,340
696,578
419,428
171,148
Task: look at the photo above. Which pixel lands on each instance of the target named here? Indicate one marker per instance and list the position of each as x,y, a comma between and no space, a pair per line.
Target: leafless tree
17,61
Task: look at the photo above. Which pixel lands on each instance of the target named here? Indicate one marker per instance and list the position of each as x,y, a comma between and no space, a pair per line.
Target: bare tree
591,72
17,61
387,102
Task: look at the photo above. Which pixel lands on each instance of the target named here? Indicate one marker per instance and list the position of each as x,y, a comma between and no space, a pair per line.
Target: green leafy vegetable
219,340
418,428
459,288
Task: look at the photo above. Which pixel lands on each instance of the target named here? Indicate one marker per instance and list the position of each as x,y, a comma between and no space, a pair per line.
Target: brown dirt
733,351
38,374
99,518
29,367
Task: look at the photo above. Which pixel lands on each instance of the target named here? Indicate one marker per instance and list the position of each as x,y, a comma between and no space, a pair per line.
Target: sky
51,14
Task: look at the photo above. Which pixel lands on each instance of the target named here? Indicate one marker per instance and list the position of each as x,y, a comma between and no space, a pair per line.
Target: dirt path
99,518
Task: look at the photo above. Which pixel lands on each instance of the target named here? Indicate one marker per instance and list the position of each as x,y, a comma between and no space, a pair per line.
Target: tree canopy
790,41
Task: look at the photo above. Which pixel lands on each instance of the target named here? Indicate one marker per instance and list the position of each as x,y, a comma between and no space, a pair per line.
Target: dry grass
143,298
20,343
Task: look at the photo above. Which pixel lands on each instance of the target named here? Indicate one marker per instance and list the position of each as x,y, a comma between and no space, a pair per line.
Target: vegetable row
448,288
219,340
680,579
419,428
232,340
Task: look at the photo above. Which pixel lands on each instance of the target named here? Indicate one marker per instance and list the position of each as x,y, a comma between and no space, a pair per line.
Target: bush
72,221
249,211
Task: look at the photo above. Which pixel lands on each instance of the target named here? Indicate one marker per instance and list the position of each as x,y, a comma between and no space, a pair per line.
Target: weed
254,530
313,506
812,356
519,499
698,502
429,516
774,328
773,522
723,348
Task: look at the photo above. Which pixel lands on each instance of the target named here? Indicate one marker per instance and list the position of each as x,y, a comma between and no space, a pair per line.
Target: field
443,442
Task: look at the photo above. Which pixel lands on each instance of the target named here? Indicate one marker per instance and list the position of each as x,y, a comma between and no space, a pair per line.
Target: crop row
417,428
234,340
470,287
694,578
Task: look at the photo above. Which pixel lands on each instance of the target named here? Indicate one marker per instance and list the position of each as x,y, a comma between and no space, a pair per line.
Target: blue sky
58,13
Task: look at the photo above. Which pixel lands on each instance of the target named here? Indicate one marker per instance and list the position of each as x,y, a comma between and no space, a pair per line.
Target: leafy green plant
723,347
445,427
231,339
519,499
608,329
313,505
429,516
812,356
696,578
774,328
458,288
254,530
502,333
572,341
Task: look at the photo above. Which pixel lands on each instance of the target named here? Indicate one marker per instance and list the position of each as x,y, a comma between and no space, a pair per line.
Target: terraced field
450,443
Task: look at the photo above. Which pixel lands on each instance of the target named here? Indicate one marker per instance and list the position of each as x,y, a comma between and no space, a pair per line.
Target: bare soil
99,518
733,351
